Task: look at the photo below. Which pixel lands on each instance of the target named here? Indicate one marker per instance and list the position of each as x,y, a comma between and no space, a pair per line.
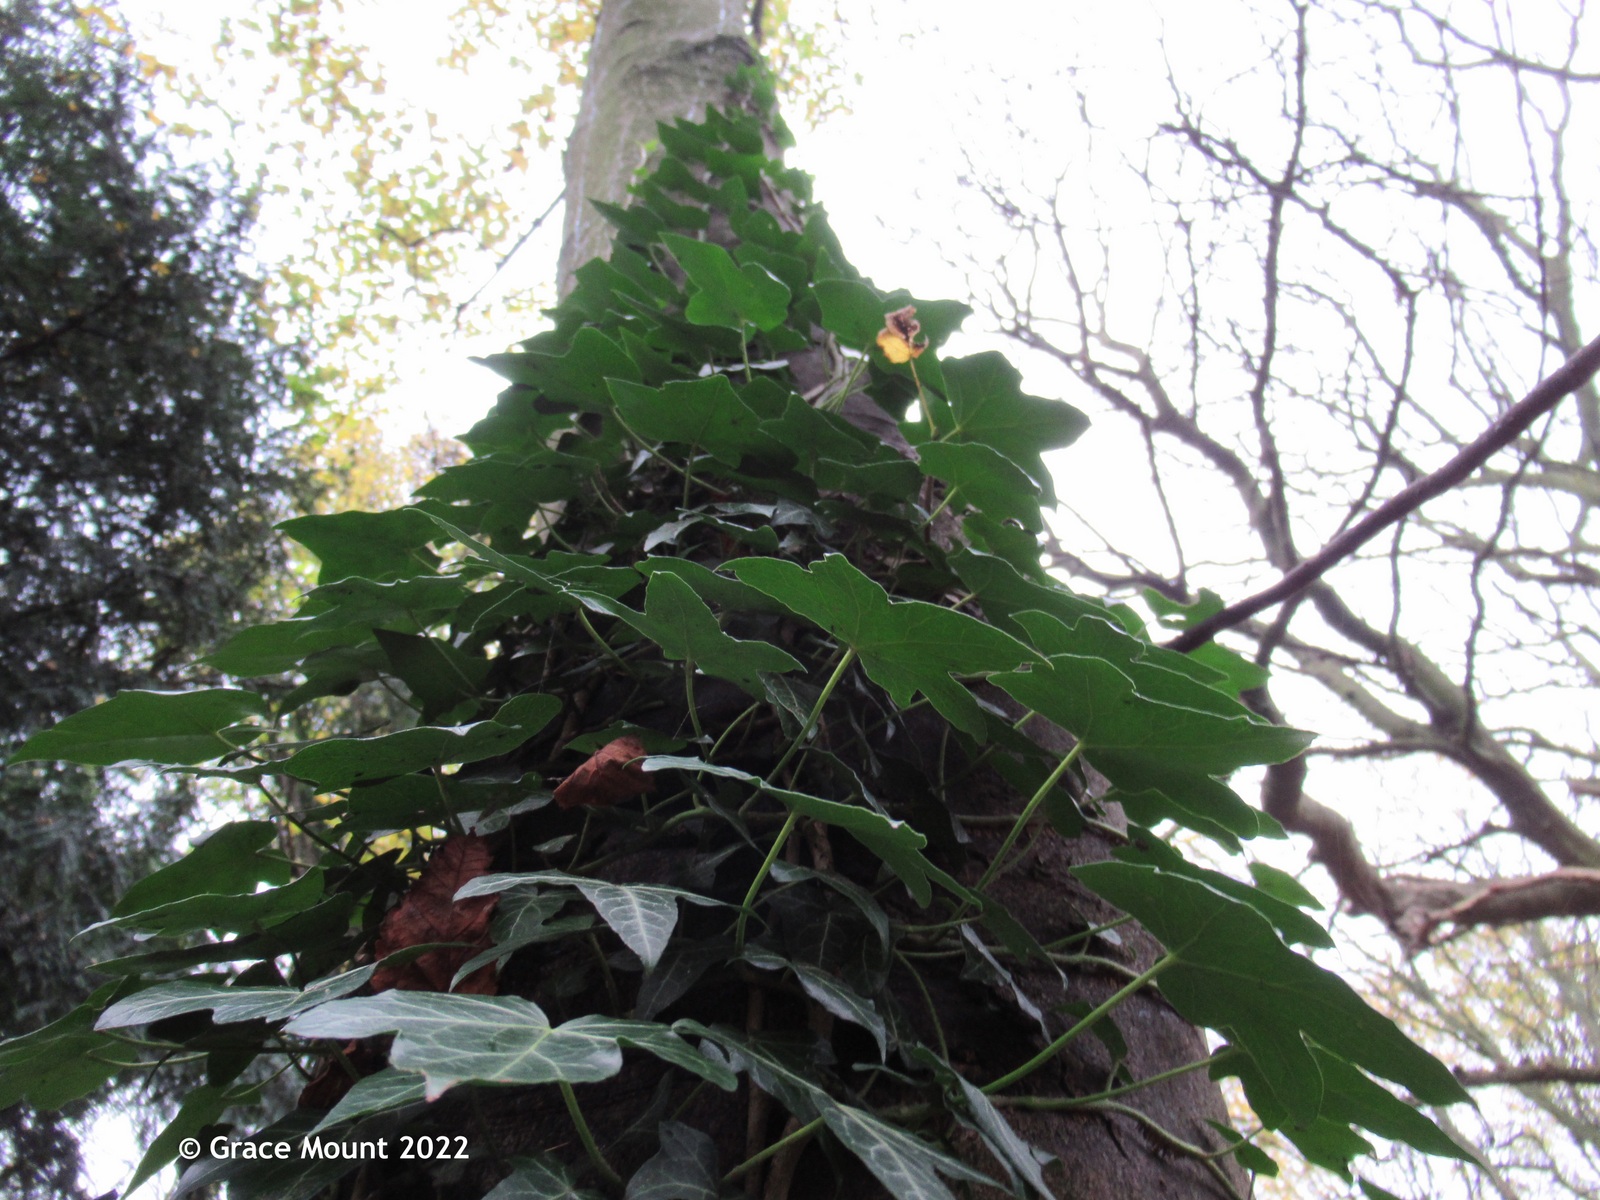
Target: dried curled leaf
429,912
615,772
901,338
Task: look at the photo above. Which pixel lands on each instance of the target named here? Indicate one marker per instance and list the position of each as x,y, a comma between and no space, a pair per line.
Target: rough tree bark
655,60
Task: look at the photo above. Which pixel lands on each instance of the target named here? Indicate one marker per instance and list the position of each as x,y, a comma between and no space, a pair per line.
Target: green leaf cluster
851,633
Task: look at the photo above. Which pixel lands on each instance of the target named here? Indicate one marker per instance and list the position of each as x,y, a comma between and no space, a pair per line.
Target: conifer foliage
138,481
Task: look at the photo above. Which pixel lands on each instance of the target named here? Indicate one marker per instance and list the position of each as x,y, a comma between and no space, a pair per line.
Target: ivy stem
1099,1010
604,645
1085,934
927,1000
688,696
1026,816
688,472
943,504
1060,1103
765,869
711,755
281,806
816,712
783,1143
834,401
586,1137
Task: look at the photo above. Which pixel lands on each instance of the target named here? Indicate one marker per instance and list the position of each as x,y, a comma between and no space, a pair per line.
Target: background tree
139,476
1344,297
409,208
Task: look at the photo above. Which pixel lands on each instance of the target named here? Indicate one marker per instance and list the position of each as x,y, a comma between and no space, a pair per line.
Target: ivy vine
768,638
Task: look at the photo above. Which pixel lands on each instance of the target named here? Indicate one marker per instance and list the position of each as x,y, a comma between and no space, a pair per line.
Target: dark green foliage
134,497
136,485
843,648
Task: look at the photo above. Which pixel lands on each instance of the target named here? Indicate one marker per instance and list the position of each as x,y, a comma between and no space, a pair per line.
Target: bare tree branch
1528,1073
1565,380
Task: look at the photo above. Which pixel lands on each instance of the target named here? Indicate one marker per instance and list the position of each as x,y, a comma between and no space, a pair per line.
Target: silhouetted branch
1567,378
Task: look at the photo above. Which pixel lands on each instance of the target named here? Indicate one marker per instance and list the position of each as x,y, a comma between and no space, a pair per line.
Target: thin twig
1568,378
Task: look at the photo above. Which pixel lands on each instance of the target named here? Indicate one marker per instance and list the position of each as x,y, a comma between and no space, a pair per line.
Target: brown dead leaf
429,912
614,772
901,338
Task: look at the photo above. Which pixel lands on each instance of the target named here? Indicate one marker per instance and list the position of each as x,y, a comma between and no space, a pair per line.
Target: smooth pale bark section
652,60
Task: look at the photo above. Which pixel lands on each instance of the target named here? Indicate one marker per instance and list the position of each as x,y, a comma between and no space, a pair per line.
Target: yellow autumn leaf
895,348
901,338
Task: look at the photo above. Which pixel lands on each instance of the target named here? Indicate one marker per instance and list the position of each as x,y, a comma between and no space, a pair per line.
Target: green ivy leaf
984,392
703,413
1010,1149
906,646
985,479
508,480
831,993
451,1039
576,379
523,918
1351,1097
64,1061
1250,1156
677,620
1234,973
869,908
387,1089
437,674
1284,886
226,913
227,1004
642,915
538,1178
378,546
162,727
1151,794
1292,925
725,593
905,1164
853,311
725,293
685,1168
895,842
228,862
666,1044
278,646
337,763
201,1106
1005,592
1165,720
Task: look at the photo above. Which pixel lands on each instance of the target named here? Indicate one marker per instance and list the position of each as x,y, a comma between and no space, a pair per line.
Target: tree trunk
651,61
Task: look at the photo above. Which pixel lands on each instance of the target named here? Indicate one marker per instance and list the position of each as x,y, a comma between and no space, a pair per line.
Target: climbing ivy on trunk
739,697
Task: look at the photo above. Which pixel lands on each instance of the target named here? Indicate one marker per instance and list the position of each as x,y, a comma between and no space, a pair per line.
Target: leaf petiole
586,1137
1089,1019
1026,816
